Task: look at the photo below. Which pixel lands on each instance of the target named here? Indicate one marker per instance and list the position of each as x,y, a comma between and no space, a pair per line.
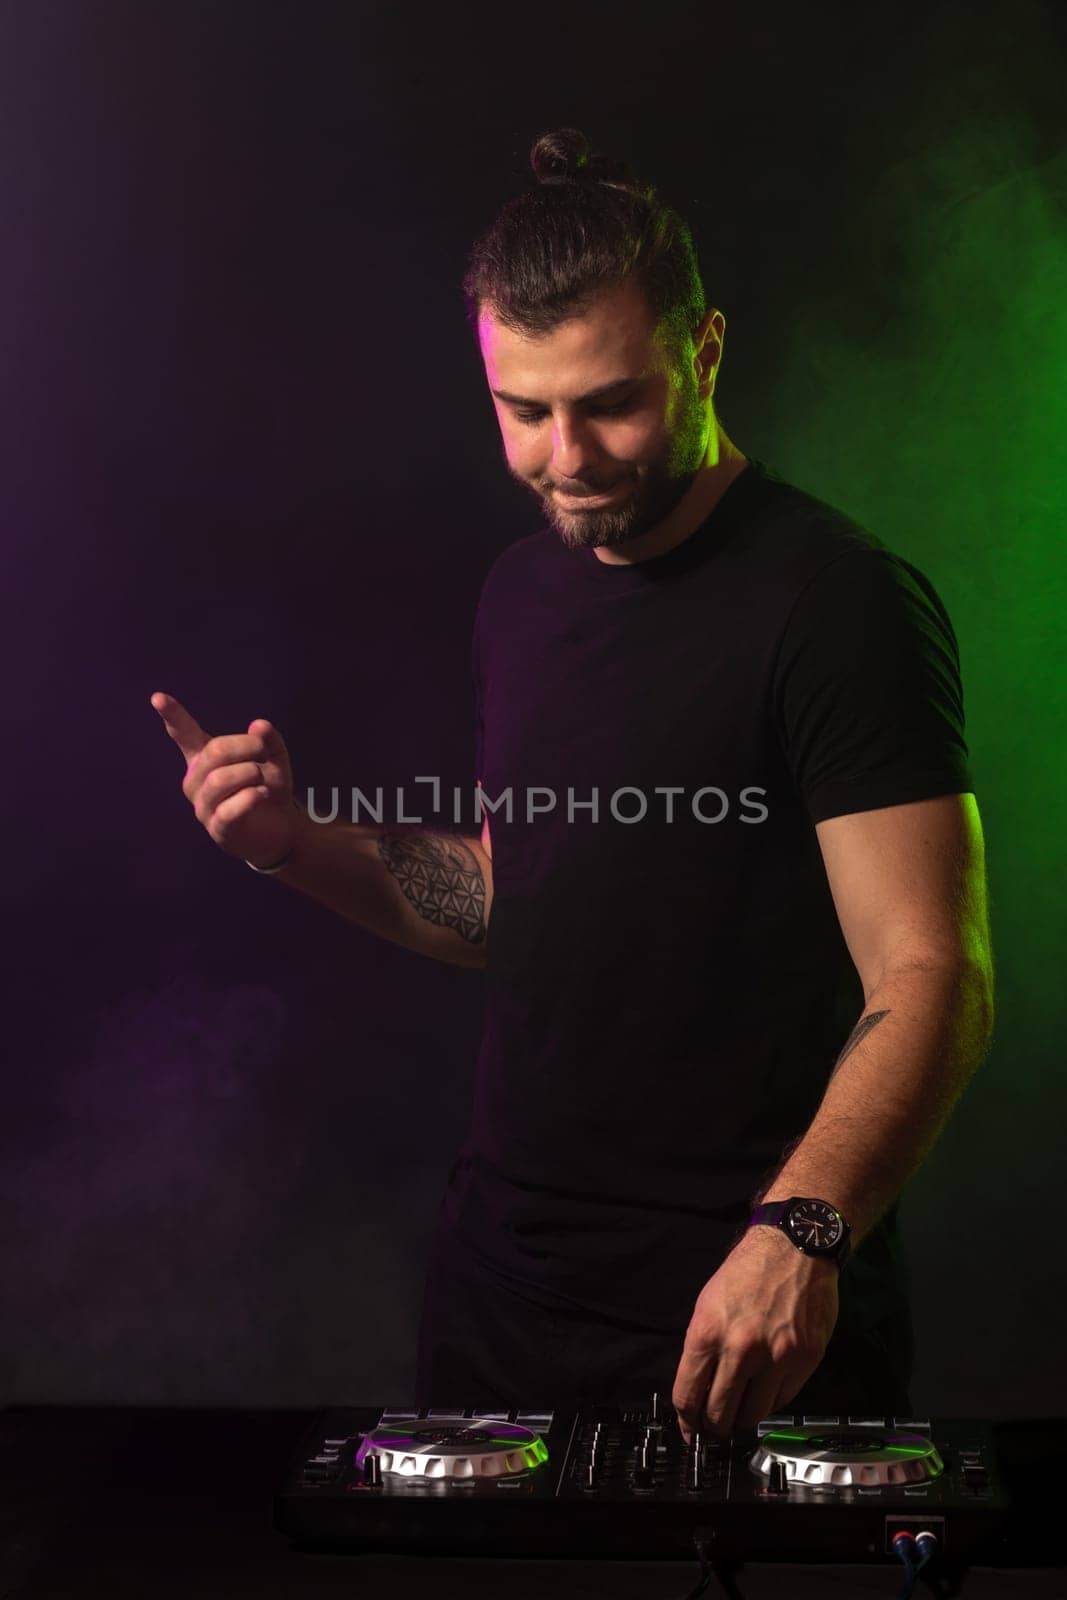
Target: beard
654,489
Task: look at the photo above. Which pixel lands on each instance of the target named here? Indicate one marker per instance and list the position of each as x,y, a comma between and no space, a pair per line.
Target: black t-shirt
667,985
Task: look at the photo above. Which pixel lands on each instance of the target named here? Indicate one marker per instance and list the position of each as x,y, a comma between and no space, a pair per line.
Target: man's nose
574,451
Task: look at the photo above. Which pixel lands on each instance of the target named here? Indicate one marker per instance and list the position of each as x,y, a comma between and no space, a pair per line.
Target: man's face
600,418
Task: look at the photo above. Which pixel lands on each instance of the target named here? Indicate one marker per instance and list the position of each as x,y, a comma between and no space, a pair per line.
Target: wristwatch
814,1226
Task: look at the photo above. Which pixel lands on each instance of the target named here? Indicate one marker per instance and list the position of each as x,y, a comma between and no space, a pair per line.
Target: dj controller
622,1481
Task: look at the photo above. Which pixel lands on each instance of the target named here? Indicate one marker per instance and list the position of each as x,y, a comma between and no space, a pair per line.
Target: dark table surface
157,1504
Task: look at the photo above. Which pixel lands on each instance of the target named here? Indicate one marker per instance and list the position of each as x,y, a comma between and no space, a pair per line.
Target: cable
904,1550
926,1544
705,1572
710,1569
905,1547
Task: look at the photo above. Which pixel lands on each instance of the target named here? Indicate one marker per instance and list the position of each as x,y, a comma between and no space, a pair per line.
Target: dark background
248,458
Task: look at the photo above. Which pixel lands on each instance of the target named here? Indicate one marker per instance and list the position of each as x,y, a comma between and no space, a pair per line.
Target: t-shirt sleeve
868,694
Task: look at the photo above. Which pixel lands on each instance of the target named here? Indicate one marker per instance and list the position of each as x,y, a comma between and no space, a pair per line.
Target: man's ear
708,339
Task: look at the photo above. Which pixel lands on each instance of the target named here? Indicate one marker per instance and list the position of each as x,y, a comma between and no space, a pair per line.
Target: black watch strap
775,1214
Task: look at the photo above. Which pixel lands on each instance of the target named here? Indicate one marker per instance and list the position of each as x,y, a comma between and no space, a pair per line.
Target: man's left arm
908,882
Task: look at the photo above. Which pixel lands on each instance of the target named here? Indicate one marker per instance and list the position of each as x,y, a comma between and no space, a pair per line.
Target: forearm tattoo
860,1031
440,876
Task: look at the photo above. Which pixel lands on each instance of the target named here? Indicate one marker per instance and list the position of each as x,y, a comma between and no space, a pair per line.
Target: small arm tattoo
859,1032
440,876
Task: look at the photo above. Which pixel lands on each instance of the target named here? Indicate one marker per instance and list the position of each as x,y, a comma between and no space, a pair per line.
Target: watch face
815,1226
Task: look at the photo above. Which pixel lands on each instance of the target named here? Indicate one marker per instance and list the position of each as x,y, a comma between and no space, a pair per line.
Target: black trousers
485,1340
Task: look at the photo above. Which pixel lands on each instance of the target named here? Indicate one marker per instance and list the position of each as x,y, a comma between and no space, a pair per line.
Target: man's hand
240,785
758,1331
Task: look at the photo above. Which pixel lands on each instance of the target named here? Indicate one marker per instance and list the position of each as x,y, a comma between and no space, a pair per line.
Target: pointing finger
183,728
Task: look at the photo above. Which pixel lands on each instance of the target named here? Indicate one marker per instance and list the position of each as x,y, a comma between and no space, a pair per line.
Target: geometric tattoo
860,1031
440,876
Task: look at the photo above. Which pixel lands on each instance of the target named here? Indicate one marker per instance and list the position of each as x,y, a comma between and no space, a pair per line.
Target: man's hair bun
583,225
566,155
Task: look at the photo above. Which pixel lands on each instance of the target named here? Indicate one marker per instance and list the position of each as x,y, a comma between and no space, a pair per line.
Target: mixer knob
777,1482
653,1408
372,1472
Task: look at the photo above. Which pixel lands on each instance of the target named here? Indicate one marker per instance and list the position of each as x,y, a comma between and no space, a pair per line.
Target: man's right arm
428,891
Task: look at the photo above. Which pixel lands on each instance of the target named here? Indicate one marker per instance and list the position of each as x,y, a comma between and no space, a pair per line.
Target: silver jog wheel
846,1460
458,1449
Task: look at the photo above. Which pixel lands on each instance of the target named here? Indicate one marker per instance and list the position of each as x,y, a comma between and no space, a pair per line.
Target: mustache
584,490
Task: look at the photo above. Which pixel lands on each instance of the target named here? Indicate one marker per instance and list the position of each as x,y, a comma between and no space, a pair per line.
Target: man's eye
596,411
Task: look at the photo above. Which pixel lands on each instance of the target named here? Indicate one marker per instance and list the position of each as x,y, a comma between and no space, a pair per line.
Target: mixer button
773,1424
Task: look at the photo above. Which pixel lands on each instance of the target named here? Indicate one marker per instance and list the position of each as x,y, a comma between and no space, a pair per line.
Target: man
731,899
